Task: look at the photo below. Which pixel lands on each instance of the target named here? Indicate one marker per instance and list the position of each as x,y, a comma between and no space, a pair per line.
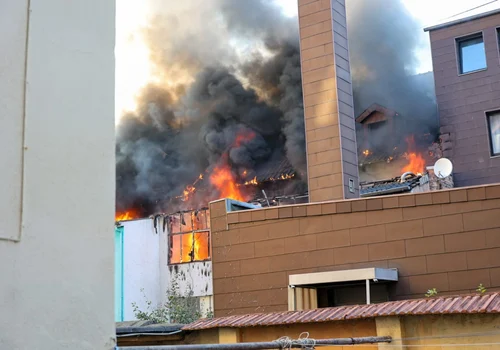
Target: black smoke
208,91
383,41
182,129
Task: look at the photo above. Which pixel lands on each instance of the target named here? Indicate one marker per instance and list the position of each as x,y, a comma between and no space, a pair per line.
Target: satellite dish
443,168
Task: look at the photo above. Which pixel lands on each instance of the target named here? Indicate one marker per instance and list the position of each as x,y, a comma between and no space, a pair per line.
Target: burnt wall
464,99
448,240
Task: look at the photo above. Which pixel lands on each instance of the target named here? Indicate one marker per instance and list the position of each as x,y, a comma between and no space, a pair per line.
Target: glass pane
201,246
175,249
186,223
472,55
495,133
199,220
187,247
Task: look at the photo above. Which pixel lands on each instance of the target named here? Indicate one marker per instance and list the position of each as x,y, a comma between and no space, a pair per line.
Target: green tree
179,308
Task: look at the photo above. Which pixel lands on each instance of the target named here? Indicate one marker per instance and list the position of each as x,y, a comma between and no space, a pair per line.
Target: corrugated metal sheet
477,303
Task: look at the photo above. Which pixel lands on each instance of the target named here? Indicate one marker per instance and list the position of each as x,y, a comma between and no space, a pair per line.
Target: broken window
189,237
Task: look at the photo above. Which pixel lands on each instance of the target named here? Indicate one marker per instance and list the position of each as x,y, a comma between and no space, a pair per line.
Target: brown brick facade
328,103
464,99
448,240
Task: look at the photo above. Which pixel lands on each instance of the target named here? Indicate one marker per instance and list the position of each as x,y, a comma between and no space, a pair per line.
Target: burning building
187,122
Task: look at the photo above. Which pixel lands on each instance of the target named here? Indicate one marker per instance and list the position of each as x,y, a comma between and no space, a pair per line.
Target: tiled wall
448,240
464,99
328,104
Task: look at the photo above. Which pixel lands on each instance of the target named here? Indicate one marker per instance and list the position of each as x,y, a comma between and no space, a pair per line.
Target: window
189,237
498,38
493,119
471,53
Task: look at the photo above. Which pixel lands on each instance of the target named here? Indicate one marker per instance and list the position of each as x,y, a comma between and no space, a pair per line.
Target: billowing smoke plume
230,67
383,40
225,68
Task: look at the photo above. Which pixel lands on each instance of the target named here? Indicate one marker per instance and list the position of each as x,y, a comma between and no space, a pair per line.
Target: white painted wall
58,171
146,266
141,266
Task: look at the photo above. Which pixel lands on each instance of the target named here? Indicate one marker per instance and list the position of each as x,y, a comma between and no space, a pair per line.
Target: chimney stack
332,162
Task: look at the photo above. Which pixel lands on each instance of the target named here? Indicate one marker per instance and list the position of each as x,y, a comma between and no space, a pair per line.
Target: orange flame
222,176
224,180
127,215
416,163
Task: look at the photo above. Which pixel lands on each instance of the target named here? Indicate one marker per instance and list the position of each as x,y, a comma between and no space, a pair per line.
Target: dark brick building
466,60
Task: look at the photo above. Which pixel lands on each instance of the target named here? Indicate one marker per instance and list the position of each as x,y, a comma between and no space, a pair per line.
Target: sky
133,70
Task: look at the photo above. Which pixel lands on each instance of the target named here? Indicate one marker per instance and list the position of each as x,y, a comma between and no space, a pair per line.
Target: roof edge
462,20
488,303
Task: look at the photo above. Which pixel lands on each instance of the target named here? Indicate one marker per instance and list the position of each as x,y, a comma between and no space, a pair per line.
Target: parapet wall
448,240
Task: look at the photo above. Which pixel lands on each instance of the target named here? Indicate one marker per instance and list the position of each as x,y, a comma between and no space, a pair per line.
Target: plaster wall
57,137
141,266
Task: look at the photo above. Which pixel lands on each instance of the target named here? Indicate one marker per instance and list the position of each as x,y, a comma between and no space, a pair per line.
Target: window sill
472,72
190,262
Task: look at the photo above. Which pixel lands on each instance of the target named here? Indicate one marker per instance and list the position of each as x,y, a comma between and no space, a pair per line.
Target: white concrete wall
141,266
145,259
58,171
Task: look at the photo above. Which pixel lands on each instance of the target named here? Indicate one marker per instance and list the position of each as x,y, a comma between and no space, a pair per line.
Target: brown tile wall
463,100
328,104
449,240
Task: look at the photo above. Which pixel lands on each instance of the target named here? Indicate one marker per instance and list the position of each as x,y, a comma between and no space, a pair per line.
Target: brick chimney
329,114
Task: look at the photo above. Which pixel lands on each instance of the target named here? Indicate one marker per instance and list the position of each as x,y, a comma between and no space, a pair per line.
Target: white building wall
145,258
58,172
141,266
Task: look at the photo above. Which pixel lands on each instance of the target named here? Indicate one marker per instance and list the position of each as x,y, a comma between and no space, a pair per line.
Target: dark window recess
471,53
498,39
377,125
351,294
493,119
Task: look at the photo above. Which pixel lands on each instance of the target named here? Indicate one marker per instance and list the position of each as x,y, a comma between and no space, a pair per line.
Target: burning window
189,237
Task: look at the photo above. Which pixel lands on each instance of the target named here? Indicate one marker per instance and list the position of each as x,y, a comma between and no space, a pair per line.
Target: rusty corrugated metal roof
466,304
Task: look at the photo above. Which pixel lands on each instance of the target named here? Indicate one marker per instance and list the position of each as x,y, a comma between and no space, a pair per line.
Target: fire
367,152
251,182
222,176
416,163
127,215
224,180
186,194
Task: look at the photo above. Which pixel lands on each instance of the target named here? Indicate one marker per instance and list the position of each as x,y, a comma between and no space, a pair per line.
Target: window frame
458,54
497,31
488,114
192,232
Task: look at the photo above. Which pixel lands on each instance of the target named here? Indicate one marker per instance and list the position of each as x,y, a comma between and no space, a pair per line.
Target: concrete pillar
390,326
329,113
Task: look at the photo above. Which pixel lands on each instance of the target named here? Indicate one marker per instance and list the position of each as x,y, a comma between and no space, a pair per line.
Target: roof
141,327
391,186
375,107
488,9
466,304
273,170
